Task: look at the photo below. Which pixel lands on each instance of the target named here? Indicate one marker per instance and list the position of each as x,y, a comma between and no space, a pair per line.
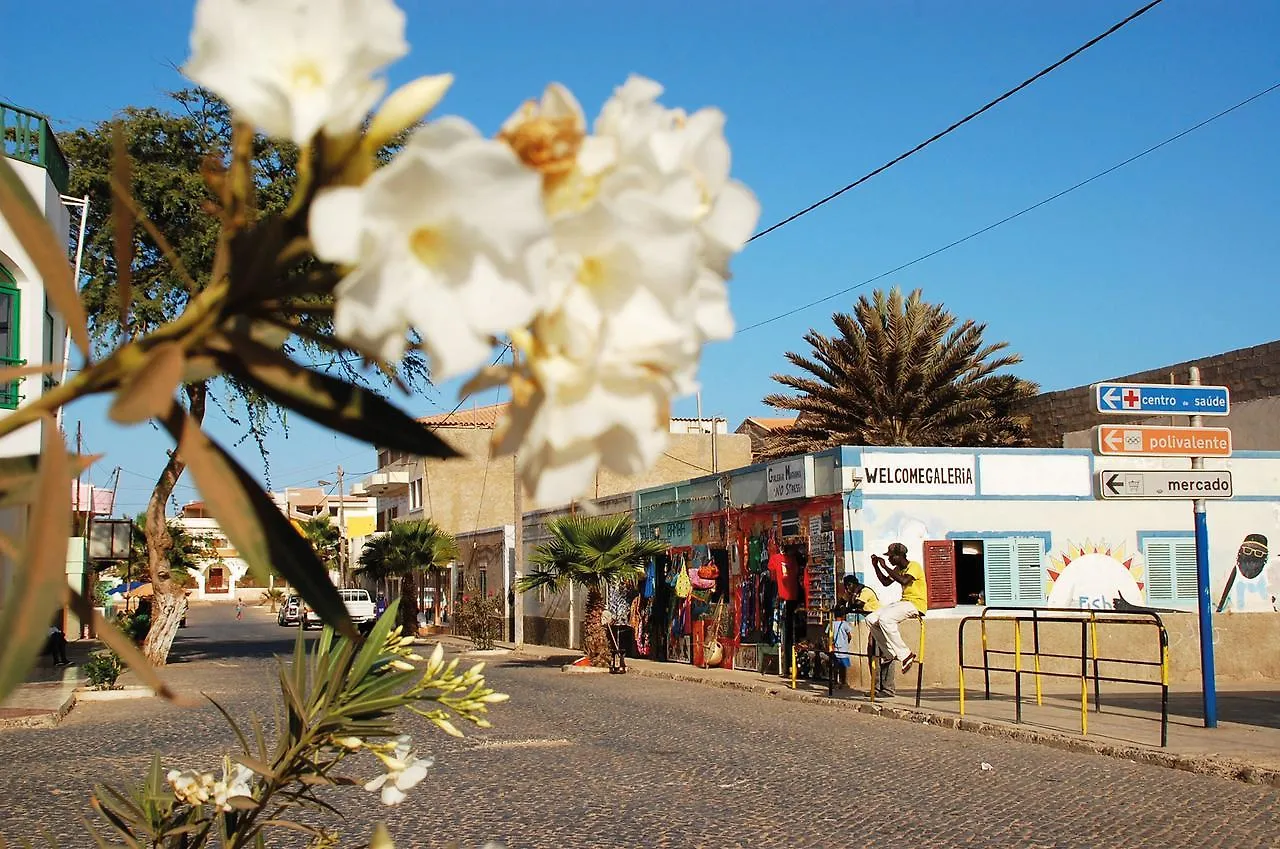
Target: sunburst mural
1093,575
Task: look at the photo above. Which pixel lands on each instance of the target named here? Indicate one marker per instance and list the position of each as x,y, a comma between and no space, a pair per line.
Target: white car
359,607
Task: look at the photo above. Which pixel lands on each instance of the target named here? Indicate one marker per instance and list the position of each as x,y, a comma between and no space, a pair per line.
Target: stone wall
1252,374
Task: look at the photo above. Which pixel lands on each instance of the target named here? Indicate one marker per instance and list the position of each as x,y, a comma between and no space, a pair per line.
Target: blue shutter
1170,570
1014,570
1184,570
998,563
1029,553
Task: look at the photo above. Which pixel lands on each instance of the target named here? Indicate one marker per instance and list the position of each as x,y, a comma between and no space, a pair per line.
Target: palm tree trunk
594,640
409,603
169,603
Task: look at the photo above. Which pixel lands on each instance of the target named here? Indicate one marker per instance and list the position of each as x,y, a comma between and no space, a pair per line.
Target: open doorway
971,577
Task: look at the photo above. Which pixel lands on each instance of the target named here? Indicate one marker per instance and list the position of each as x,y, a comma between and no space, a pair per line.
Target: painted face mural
1246,576
1092,576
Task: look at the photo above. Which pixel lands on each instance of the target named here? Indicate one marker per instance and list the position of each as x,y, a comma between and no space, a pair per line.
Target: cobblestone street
600,760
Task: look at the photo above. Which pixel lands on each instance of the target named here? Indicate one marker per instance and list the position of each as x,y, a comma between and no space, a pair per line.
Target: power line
687,463
958,124
1017,214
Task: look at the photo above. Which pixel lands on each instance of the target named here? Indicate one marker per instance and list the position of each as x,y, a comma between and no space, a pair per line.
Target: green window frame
10,326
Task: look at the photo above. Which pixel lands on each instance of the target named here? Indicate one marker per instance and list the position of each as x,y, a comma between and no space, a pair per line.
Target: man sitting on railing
862,600
885,621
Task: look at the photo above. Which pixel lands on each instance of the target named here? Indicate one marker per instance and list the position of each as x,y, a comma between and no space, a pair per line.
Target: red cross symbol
1132,399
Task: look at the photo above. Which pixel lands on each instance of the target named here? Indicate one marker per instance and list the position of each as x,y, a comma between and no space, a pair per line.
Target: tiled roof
770,423
468,417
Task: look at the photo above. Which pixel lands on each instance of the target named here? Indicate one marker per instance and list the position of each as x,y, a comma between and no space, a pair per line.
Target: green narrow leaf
329,401
374,643
122,222
254,524
235,726
19,475
19,209
40,583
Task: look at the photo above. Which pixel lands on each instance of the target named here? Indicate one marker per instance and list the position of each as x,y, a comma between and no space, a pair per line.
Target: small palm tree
400,553
901,372
594,552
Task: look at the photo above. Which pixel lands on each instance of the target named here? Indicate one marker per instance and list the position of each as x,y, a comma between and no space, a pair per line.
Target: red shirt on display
786,572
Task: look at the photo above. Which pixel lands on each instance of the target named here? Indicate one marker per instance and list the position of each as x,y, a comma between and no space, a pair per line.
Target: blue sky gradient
1169,258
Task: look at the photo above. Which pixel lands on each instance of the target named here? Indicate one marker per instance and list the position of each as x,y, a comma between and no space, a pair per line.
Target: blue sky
1170,258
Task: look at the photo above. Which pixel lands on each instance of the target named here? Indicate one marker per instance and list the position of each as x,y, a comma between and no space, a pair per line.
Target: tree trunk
594,640
169,603
409,604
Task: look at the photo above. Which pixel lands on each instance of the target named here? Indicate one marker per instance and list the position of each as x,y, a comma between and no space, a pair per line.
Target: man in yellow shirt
915,600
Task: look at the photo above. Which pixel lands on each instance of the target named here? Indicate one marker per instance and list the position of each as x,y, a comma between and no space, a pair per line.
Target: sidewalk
1244,747
49,691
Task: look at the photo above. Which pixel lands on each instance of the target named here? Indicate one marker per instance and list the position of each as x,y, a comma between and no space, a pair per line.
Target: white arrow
1110,398
1113,440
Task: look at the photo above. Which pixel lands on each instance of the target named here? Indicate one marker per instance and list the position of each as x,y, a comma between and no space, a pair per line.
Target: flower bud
406,106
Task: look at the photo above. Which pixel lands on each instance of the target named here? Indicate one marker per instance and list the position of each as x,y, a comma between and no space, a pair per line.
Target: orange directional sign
1149,441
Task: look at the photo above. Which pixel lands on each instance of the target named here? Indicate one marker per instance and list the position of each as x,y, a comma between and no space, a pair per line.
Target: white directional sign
1153,484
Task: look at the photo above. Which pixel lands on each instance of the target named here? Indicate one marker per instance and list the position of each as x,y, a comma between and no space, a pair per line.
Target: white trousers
884,627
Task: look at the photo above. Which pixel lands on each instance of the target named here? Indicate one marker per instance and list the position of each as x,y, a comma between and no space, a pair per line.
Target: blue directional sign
1162,399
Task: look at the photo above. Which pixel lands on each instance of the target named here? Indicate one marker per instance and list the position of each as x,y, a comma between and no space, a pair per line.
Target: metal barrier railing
872,656
1089,658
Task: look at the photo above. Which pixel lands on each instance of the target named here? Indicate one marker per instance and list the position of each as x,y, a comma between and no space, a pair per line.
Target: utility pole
517,556
342,528
1203,601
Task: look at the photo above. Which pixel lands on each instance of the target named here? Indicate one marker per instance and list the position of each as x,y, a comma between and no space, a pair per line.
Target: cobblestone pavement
600,760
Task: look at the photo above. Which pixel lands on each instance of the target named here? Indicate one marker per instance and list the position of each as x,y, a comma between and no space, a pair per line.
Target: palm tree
901,372
324,537
400,553
591,551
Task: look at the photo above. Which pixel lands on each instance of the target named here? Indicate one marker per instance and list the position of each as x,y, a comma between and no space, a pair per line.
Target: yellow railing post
793,667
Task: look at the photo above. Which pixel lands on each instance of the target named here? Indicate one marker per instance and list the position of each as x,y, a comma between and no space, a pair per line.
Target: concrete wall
32,331
1255,425
474,492
1252,374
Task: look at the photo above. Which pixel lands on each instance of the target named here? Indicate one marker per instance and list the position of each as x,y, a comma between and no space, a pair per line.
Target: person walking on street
915,600
239,608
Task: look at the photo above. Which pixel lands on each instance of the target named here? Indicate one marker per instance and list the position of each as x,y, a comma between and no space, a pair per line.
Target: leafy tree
593,552
901,371
176,155
403,551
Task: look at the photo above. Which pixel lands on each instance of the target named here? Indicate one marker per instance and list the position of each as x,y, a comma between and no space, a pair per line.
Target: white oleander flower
447,239
190,786
644,220
294,67
405,770
236,782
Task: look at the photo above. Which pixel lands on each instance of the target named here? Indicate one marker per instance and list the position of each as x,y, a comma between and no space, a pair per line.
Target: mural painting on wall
910,529
1255,586
1093,575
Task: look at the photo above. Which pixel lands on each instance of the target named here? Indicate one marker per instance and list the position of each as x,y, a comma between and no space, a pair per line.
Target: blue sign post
1162,399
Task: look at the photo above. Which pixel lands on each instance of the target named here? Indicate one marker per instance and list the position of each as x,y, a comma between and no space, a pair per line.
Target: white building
31,331
222,576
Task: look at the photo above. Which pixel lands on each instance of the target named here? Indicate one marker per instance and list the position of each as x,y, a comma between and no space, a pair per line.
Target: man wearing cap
915,600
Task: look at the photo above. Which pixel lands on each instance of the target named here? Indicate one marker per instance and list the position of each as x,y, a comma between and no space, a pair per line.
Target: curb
1218,767
38,719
